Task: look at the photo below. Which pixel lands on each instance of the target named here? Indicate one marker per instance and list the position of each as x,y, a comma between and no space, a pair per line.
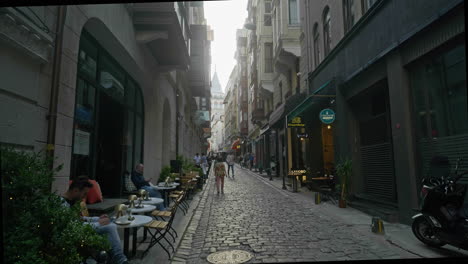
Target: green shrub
39,229
165,172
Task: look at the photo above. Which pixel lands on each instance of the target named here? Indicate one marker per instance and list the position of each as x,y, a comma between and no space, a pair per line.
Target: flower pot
342,203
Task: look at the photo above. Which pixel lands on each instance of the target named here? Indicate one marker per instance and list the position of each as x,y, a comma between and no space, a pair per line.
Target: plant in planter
165,173
39,229
344,170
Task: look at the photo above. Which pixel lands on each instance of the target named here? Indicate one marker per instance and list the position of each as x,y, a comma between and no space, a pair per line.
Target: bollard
377,225
318,198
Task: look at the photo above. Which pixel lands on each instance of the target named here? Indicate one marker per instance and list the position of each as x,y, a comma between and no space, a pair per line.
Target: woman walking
220,172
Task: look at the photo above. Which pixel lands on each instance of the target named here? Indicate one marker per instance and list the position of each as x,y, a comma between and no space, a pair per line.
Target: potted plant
344,170
165,173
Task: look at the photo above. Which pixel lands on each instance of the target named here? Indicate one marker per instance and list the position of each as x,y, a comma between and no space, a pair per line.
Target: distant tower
217,110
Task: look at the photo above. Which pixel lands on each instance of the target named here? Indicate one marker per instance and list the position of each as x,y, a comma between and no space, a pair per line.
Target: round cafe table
140,220
165,190
153,201
146,208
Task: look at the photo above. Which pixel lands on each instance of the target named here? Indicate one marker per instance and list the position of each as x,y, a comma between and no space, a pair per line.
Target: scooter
443,218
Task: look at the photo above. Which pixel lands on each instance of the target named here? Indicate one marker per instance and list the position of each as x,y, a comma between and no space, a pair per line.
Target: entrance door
377,149
109,146
327,148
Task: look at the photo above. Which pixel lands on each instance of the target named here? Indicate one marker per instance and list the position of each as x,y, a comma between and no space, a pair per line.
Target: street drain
229,257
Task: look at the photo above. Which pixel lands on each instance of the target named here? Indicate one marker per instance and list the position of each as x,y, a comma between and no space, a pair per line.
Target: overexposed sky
224,17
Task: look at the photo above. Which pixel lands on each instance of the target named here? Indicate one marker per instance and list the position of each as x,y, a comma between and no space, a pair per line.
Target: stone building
394,73
117,85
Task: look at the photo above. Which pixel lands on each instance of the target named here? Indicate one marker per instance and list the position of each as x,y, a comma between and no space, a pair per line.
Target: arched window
316,45
326,31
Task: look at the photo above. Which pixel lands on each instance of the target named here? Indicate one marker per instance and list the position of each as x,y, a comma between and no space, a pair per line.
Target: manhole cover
229,257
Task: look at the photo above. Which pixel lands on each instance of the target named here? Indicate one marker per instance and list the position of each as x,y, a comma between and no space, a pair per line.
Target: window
268,57
267,15
316,46
366,4
439,92
348,13
326,31
293,13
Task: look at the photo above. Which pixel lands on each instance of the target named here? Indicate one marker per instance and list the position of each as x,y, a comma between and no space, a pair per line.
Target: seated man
76,192
141,183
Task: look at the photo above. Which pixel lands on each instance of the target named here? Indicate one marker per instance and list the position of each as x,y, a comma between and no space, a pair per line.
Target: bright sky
224,17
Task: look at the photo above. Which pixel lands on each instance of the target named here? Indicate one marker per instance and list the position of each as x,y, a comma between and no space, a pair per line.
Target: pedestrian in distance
197,160
230,163
220,172
204,165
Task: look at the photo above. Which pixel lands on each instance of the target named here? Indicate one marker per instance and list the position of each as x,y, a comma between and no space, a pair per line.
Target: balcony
157,25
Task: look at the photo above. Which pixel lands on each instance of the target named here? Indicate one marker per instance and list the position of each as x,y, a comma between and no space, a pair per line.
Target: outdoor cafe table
165,190
140,220
153,201
146,208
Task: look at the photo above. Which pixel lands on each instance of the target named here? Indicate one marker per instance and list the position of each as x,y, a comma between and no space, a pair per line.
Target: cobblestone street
275,226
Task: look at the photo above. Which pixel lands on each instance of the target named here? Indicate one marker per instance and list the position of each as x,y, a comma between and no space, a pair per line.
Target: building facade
394,74
111,89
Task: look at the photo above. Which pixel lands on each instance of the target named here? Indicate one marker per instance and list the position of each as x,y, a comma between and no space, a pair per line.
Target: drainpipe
52,115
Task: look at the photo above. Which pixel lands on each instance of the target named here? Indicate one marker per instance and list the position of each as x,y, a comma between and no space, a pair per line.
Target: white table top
164,187
153,200
139,220
146,208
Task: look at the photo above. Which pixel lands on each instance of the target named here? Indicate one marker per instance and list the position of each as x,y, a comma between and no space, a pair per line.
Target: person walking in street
141,183
251,160
76,192
204,165
197,160
220,172
230,162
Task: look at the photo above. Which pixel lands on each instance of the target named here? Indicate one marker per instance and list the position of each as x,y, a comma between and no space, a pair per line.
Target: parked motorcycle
443,218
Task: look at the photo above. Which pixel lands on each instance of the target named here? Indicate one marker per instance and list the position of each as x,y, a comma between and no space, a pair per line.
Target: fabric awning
315,99
235,144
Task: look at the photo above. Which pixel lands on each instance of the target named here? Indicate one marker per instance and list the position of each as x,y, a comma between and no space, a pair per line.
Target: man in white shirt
230,162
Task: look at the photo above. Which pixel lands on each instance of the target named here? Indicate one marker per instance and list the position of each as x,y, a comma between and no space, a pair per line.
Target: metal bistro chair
162,215
175,195
161,229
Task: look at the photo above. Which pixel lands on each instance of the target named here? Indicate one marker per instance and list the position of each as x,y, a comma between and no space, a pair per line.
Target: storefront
439,100
108,123
311,133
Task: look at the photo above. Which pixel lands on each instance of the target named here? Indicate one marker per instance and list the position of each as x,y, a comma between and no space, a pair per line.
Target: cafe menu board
81,142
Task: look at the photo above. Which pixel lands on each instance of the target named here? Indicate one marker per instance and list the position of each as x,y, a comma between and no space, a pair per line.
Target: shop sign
303,135
296,172
327,116
296,122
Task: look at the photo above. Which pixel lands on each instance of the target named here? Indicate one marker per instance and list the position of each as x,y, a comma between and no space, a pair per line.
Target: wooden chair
162,215
158,231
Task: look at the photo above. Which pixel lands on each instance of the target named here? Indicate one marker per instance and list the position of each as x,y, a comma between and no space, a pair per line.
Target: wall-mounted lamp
329,127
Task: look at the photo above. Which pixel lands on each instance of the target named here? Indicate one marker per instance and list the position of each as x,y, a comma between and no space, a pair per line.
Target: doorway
109,145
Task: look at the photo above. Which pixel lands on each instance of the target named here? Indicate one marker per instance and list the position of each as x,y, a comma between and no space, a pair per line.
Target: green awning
312,100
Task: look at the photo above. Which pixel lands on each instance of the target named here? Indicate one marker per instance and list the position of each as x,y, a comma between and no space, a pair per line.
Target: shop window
138,139
111,78
439,94
87,58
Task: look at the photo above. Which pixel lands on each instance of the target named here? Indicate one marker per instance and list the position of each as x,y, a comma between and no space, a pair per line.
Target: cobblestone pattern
274,225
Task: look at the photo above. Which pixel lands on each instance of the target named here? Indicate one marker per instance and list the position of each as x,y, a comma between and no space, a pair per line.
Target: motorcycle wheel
424,232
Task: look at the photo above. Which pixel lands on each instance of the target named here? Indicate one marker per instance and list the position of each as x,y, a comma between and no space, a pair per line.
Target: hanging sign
327,116
296,122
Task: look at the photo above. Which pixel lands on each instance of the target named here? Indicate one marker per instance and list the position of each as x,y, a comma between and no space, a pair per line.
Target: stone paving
275,226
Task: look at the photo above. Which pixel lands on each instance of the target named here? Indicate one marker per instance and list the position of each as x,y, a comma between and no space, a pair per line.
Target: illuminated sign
303,135
296,172
296,122
327,116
